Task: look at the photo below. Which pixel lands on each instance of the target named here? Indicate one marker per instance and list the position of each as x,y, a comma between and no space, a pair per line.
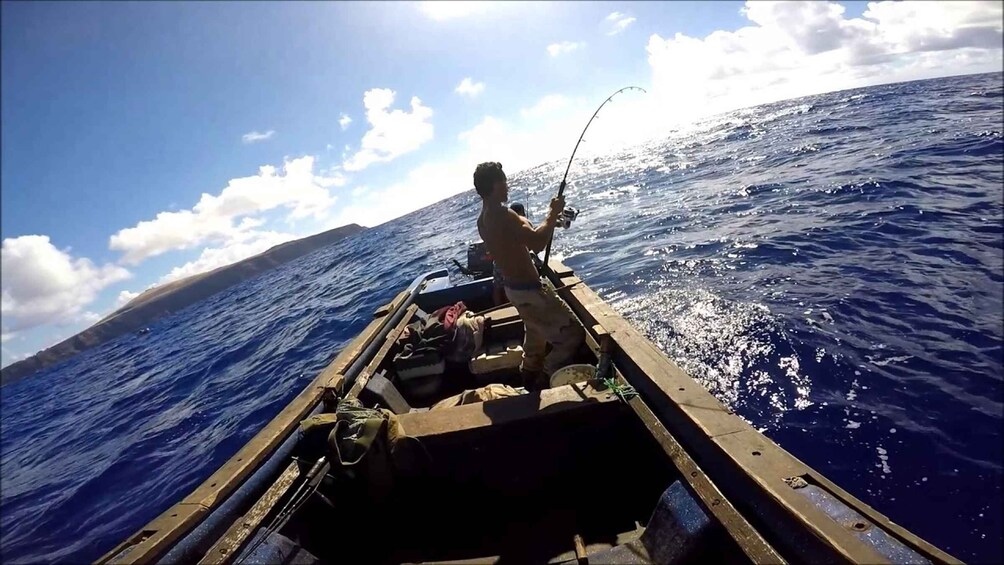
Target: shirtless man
510,239
498,290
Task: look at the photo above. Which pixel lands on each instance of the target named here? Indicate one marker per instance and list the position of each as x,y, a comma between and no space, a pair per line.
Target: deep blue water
830,266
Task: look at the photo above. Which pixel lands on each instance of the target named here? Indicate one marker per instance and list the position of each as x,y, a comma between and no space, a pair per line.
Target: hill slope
171,297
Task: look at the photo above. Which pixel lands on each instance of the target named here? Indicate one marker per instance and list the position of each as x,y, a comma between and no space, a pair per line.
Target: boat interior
420,444
564,474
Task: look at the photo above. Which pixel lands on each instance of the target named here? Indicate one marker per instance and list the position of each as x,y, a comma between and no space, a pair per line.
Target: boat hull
765,503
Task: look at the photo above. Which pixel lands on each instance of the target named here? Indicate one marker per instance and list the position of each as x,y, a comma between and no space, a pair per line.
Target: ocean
831,267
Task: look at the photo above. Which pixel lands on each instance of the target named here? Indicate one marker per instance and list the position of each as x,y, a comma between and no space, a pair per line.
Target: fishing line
561,187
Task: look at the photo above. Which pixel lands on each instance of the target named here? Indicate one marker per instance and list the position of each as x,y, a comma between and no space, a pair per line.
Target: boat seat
498,315
380,391
676,533
498,356
501,315
503,410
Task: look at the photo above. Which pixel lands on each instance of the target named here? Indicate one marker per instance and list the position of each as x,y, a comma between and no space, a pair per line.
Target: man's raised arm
536,239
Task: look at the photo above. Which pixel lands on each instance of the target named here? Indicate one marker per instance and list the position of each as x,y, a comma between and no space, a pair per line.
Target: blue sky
134,134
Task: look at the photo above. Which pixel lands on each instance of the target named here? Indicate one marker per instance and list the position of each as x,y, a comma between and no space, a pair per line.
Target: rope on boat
623,391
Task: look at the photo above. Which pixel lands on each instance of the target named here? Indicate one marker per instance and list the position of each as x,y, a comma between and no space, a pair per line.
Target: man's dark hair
519,209
485,176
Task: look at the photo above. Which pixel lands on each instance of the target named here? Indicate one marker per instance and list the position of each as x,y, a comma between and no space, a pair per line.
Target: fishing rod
561,187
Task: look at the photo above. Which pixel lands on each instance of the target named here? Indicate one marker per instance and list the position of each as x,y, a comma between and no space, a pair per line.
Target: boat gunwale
835,540
155,538
692,415
712,437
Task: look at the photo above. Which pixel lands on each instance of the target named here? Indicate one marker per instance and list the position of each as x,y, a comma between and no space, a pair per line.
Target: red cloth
448,315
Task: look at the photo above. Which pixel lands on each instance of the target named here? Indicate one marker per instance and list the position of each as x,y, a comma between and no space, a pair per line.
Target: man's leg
528,305
563,331
533,349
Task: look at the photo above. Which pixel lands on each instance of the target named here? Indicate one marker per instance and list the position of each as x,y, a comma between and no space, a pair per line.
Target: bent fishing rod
561,187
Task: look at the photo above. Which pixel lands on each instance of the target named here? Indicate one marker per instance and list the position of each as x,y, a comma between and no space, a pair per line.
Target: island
170,297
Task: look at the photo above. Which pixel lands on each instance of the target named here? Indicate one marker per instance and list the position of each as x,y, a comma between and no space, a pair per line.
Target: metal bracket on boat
568,286
604,368
581,557
605,343
383,310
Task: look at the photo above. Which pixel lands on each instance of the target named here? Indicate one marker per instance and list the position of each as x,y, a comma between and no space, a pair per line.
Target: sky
146,142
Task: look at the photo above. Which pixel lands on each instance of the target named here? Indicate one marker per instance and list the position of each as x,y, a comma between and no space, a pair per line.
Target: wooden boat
584,472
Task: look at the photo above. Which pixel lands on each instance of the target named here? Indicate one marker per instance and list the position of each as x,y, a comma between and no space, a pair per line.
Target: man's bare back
510,239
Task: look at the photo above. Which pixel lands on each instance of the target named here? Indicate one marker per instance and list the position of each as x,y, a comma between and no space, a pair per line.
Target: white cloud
923,26
42,284
241,247
618,22
545,106
215,218
468,87
490,140
124,297
255,136
392,133
452,9
424,185
794,49
543,132
344,122
556,49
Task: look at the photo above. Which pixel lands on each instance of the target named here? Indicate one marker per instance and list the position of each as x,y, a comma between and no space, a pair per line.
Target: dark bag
358,441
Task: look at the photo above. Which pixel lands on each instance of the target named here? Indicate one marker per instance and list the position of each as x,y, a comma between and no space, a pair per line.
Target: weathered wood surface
502,314
240,531
502,411
748,539
388,343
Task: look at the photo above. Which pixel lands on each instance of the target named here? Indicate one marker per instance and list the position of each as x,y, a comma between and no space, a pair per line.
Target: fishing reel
567,216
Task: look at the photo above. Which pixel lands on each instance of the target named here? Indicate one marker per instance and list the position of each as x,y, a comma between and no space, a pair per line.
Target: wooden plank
502,411
374,364
392,305
631,346
488,311
600,332
177,516
158,535
240,531
581,557
558,268
770,465
502,315
896,531
748,539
